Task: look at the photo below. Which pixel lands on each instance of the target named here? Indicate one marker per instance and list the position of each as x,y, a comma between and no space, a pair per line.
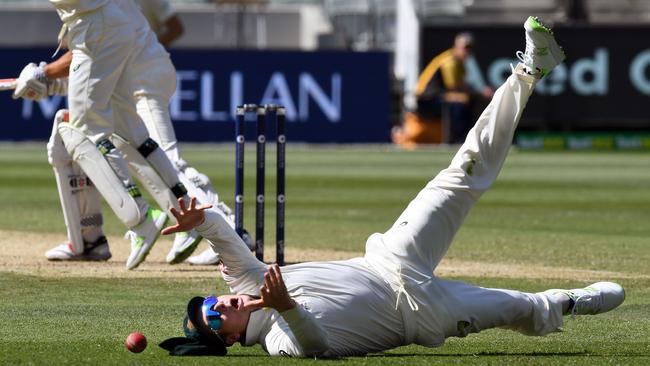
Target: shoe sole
98,259
187,252
147,248
81,259
554,48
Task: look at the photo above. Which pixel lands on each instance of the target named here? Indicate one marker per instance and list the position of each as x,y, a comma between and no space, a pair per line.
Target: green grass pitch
583,211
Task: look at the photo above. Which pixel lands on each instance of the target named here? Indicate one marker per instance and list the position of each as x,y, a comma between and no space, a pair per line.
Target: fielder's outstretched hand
274,292
188,218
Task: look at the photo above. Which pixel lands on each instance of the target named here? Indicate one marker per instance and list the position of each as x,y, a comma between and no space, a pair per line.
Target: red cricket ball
136,342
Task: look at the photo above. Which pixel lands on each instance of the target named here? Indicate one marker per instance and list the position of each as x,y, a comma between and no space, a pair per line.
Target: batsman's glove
34,78
32,82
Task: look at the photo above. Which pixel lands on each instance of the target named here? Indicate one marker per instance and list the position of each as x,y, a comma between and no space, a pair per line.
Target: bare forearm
59,68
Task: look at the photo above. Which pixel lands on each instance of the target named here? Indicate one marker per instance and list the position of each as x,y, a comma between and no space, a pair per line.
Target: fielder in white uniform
390,297
111,44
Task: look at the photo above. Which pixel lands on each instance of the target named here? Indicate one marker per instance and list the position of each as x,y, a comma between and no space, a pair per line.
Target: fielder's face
235,311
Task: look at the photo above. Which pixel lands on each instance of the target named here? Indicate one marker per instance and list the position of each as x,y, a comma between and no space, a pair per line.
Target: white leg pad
88,156
200,183
61,162
194,191
148,177
71,213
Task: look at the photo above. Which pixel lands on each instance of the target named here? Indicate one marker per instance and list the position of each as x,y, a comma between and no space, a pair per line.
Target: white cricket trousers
410,250
108,49
154,88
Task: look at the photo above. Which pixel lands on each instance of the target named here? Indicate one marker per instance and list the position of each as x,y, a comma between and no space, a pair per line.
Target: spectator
443,97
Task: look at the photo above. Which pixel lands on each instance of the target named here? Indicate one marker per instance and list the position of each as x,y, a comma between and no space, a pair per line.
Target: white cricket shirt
344,309
69,9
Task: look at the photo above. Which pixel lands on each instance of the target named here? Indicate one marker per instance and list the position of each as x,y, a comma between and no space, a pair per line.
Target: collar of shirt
258,324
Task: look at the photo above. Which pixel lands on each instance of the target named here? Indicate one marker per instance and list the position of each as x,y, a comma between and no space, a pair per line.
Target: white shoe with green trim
543,52
596,298
144,236
185,244
95,251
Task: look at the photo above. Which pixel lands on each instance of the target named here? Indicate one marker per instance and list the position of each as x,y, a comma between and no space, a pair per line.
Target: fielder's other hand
188,218
274,292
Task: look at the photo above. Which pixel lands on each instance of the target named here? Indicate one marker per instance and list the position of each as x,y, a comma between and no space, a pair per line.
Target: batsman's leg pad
194,191
80,201
64,175
56,152
120,196
81,205
202,183
147,175
198,185
90,206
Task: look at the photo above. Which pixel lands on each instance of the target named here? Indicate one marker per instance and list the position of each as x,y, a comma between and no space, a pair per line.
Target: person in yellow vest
442,96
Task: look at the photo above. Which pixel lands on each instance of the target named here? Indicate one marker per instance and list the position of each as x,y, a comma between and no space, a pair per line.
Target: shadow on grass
543,354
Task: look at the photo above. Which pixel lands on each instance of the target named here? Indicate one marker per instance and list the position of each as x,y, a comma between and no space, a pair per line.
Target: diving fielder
389,297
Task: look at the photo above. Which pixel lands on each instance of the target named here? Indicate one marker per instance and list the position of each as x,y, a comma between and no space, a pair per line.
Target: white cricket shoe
144,236
596,298
543,52
206,258
185,244
95,251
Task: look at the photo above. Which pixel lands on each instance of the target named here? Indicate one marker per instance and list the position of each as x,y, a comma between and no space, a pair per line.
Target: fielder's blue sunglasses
211,317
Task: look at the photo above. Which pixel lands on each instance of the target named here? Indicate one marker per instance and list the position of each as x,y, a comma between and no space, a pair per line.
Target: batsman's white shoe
95,251
144,236
206,258
543,52
596,298
185,244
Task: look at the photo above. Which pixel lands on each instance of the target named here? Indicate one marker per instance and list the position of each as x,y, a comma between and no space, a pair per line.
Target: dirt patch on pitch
23,253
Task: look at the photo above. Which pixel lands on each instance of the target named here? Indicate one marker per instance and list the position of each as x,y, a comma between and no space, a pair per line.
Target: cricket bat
8,84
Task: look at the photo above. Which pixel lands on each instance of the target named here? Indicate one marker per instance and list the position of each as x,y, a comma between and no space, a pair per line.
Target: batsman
390,296
152,81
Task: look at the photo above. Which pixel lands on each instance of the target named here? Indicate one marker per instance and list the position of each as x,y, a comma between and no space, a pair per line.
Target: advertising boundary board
329,97
603,85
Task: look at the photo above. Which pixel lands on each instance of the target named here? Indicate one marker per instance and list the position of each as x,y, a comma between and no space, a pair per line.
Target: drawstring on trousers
62,33
401,290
